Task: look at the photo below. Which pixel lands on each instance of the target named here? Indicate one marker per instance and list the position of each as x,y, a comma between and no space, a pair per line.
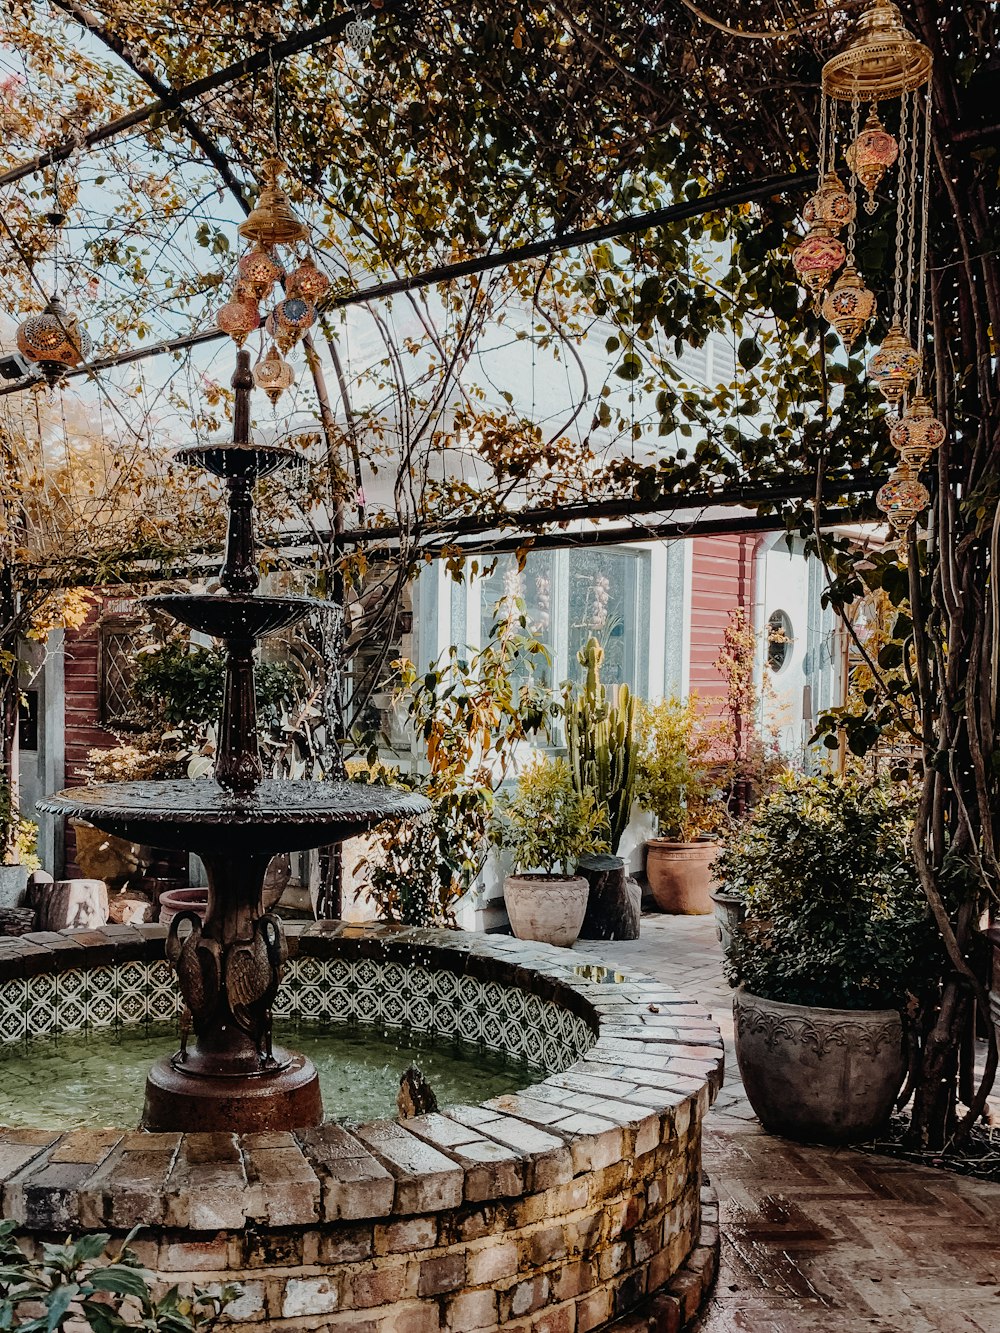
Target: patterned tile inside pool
341,990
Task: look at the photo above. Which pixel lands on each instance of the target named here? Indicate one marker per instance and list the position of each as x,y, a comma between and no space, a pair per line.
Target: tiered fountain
233,1077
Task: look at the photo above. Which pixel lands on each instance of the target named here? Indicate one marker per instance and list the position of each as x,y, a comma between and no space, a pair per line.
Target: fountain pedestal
232,1078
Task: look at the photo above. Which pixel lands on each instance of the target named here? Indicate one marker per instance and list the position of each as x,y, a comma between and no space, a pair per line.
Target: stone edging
680,1302
570,1201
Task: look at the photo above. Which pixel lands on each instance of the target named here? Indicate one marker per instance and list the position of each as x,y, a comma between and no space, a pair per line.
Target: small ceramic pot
547,908
182,900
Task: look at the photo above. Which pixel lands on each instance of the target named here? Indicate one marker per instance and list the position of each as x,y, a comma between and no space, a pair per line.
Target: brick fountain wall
574,1205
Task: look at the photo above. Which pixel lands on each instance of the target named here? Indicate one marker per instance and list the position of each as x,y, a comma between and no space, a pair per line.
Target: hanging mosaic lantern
871,155
817,258
307,282
849,305
831,206
917,434
358,33
894,365
272,222
258,273
238,317
289,320
54,340
273,374
902,498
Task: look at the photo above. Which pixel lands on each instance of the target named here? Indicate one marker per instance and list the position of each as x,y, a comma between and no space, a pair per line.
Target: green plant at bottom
69,1283
546,824
834,913
600,737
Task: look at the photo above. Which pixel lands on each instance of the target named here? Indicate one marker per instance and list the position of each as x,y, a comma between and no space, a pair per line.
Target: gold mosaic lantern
54,340
258,273
902,498
917,434
238,317
307,282
273,374
894,365
849,305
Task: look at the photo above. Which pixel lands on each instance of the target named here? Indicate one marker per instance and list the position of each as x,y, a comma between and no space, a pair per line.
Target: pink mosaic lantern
307,282
238,317
258,273
871,155
817,258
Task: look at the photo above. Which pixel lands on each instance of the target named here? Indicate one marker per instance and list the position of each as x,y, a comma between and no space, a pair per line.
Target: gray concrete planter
818,1075
730,913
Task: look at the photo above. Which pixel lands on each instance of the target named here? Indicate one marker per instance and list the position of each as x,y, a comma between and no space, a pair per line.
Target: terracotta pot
819,1075
680,875
548,908
276,877
730,913
182,900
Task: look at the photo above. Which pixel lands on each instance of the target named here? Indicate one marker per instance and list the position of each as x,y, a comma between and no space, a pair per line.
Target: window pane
608,600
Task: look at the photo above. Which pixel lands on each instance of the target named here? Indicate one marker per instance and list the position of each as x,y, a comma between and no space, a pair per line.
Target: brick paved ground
820,1238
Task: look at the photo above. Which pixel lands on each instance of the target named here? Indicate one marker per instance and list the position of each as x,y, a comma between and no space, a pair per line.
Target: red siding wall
83,710
721,580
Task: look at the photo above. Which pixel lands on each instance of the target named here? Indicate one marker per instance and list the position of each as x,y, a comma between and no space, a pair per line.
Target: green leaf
92,1246
749,353
121,1280
59,1304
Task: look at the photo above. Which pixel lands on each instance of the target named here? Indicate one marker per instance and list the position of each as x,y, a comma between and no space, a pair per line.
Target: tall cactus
600,735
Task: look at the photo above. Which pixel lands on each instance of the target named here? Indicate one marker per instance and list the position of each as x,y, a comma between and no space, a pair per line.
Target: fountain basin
200,816
559,1207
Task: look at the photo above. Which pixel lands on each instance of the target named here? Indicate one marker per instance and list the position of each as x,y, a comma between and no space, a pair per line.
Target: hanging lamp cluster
881,62
271,228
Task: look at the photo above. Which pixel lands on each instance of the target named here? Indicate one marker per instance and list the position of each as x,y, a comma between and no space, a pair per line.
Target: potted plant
546,826
676,783
835,938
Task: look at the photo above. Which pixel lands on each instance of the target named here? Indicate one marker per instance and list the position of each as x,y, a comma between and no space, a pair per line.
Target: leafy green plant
835,916
20,837
471,710
676,779
600,737
546,823
69,1283
181,684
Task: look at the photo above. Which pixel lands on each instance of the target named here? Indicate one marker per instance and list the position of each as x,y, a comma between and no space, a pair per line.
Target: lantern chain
852,186
924,223
911,213
897,294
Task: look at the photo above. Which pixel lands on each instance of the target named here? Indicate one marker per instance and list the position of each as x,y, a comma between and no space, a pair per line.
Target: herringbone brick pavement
822,1240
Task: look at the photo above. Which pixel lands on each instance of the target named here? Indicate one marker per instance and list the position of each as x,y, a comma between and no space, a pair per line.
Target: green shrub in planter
546,825
835,916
